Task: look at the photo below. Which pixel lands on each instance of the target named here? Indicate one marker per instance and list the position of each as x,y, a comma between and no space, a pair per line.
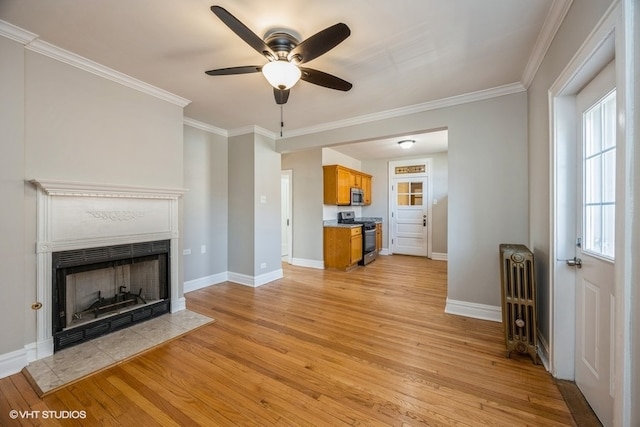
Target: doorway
286,215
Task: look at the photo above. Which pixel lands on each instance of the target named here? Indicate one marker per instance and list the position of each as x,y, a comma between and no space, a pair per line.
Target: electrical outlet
186,252
203,249
263,265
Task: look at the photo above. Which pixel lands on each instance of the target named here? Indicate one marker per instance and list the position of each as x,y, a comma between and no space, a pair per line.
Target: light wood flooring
372,346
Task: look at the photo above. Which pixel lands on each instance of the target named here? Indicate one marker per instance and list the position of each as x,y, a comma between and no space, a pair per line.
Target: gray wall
487,151
267,206
254,205
205,204
307,202
59,122
241,204
13,292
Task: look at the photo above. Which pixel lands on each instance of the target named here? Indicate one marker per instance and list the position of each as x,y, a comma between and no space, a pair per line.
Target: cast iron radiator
517,276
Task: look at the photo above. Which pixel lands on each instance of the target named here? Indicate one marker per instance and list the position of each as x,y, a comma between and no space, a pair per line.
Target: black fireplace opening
100,290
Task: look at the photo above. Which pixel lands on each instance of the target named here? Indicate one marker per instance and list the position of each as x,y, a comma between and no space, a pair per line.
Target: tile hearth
74,363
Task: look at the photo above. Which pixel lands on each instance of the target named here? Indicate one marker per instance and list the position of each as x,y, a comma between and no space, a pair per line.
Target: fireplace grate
77,335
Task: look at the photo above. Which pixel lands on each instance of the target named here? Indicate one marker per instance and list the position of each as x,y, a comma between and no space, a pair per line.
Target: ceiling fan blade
323,79
282,96
244,32
235,70
319,43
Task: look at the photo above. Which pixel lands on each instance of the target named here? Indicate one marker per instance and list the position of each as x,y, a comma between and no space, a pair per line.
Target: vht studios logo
51,415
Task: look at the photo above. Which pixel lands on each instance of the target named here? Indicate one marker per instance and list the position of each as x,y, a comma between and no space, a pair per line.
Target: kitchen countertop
334,222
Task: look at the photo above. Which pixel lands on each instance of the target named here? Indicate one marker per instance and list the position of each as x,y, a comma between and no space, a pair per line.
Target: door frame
428,162
612,37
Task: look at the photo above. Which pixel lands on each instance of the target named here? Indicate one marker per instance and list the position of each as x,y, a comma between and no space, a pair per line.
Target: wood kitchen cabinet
337,185
378,237
338,181
342,247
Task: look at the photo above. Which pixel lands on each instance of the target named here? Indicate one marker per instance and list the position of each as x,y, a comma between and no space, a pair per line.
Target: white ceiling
400,53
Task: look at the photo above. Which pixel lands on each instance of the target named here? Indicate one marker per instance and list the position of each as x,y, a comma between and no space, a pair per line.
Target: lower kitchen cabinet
342,247
378,237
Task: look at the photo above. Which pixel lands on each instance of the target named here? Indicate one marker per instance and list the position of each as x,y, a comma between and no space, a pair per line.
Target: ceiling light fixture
406,143
281,74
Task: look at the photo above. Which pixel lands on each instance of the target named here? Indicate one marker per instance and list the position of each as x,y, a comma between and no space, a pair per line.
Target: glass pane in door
599,177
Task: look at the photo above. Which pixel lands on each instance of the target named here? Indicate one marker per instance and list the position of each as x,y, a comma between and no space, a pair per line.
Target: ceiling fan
285,55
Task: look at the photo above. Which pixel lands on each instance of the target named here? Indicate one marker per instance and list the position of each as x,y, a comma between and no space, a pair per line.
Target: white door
409,216
286,213
595,296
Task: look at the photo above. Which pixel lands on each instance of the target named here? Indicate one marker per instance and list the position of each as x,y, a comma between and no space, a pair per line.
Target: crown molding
554,19
62,55
480,95
14,33
205,127
252,129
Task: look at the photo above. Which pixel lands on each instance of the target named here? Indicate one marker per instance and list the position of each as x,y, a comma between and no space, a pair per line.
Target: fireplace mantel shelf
80,189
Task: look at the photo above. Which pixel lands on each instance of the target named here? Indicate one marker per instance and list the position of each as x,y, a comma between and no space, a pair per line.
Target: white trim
251,129
437,256
480,95
74,188
14,33
75,60
543,351
255,281
309,263
12,362
556,15
474,310
205,282
205,127
384,251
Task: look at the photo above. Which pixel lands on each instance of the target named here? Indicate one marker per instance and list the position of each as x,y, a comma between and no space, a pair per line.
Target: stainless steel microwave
357,197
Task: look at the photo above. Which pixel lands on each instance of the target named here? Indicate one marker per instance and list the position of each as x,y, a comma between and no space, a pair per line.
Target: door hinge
579,242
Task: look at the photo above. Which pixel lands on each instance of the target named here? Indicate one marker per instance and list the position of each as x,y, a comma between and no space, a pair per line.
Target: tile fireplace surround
72,215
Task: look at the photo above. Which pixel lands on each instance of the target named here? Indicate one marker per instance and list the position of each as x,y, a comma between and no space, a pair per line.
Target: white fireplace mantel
74,215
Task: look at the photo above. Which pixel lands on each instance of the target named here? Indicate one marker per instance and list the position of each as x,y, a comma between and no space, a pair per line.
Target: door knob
574,262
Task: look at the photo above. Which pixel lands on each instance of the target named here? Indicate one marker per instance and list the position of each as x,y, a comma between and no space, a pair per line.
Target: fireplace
96,291
107,257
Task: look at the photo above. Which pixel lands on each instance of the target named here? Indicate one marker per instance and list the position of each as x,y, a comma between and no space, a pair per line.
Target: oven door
369,252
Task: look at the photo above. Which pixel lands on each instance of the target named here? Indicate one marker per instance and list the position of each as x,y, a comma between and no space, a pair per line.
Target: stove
369,252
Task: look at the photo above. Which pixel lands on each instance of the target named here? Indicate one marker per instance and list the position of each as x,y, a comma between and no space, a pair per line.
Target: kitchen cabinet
337,185
366,188
378,237
338,181
342,247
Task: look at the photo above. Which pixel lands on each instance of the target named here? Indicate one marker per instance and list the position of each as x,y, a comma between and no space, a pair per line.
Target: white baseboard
474,310
384,251
543,351
436,256
203,282
310,263
13,362
255,281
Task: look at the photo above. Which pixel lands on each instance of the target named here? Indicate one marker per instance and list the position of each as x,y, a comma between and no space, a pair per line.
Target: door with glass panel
409,216
595,245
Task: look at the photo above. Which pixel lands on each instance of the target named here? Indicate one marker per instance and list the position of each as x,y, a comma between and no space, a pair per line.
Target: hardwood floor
320,348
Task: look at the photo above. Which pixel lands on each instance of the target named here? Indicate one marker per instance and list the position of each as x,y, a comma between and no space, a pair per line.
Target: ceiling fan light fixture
406,143
281,74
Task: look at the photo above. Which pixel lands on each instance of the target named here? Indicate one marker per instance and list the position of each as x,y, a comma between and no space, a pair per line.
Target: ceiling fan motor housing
281,43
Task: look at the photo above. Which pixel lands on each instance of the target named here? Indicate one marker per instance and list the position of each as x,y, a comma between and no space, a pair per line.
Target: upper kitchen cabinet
337,185
338,181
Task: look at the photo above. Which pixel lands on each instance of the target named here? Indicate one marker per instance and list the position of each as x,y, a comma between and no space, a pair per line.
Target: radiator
517,276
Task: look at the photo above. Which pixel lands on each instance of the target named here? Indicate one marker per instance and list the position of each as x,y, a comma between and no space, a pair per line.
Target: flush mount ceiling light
406,143
281,74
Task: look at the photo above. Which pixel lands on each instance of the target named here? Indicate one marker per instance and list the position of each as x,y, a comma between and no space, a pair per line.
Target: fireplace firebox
103,289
